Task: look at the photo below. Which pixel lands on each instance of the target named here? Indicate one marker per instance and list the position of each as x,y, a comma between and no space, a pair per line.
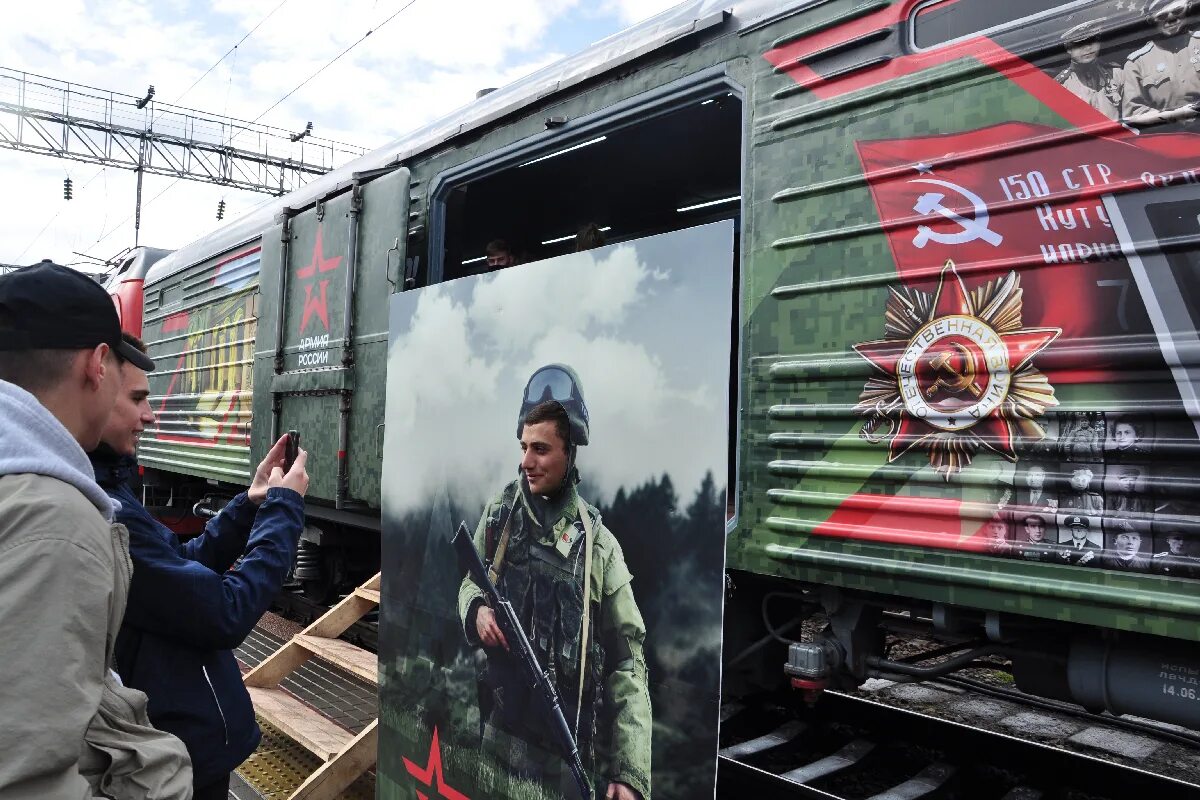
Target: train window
942,21
172,295
673,171
654,171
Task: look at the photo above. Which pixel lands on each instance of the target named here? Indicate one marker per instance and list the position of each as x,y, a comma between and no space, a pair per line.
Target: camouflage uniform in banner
542,576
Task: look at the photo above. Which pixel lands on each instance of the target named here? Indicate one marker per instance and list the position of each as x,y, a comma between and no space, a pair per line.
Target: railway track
851,748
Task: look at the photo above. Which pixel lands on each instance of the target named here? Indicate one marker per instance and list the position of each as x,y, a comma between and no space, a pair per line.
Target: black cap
1076,521
46,306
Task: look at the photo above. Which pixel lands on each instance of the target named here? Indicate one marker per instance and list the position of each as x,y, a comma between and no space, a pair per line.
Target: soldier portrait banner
554,510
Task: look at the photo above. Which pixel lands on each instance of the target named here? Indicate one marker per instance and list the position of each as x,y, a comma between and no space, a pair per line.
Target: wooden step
343,654
302,724
368,594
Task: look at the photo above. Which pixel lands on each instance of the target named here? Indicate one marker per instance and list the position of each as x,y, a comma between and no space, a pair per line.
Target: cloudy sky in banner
463,350
427,61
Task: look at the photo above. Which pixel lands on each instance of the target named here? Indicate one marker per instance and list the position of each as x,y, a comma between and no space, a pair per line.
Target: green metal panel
200,326
317,377
817,283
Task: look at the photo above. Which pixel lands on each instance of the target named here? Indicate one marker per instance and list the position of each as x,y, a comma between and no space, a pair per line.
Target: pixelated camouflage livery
226,386
848,128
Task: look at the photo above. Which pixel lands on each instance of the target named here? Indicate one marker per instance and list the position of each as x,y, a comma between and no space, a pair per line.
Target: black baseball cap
47,306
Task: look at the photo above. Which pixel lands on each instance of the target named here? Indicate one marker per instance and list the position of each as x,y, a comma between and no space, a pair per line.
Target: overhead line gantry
82,123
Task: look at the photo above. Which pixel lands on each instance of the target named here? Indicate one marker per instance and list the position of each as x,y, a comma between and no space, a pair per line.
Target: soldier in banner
1080,550
1035,494
1178,560
1095,82
1034,546
1080,496
1083,439
1162,78
998,543
1126,440
1125,551
534,536
1126,496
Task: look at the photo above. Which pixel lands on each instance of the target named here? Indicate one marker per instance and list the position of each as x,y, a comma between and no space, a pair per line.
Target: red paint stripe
918,521
790,59
176,322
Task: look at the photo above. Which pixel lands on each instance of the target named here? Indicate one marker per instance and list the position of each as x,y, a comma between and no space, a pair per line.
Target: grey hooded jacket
69,729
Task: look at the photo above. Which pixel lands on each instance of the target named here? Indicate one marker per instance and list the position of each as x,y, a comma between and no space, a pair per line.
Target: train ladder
346,756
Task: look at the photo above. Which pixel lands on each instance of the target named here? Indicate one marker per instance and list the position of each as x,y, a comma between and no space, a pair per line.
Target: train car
964,388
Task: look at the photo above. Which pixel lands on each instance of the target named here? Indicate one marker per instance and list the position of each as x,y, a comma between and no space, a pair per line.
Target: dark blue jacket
189,606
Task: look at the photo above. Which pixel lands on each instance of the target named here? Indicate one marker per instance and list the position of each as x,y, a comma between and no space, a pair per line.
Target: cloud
631,11
512,313
459,363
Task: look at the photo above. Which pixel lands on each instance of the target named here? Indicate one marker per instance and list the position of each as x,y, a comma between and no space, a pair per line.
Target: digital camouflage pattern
615,723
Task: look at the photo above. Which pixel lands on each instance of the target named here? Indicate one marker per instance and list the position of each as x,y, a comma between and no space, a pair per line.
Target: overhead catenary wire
233,49
102,170
56,215
105,235
333,60
297,88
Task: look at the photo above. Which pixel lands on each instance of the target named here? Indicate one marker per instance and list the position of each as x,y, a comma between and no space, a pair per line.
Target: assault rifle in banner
521,651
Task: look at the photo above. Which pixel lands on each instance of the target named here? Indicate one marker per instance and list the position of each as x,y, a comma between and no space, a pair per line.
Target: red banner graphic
1024,197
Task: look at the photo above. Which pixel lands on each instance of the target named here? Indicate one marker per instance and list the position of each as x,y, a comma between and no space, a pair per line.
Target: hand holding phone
293,450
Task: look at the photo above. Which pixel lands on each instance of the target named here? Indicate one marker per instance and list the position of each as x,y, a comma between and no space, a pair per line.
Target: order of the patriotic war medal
955,373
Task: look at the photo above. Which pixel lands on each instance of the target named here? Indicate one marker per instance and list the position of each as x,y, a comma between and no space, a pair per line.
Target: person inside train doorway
189,606
68,727
1080,550
499,254
534,535
1093,81
1162,77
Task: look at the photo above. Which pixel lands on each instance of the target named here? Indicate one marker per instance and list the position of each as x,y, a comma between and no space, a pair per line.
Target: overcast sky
423,64
461,352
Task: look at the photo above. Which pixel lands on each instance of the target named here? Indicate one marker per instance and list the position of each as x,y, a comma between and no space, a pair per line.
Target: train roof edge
619,48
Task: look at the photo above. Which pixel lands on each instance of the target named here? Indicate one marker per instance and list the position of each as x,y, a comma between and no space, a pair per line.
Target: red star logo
956,372
433,772
317,305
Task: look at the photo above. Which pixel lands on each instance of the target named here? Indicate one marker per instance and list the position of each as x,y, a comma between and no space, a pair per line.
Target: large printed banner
1038,210
1042,330
607,543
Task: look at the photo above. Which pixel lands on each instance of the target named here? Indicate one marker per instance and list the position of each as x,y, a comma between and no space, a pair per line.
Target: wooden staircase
346,756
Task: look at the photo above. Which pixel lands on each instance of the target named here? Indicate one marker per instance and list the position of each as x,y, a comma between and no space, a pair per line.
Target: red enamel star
431,774
317,304
955,372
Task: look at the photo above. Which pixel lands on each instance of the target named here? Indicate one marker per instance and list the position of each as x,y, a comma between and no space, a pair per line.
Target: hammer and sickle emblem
954,380
972,229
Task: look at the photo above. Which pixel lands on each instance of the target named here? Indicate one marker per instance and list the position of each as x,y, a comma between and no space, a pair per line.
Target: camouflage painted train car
966,365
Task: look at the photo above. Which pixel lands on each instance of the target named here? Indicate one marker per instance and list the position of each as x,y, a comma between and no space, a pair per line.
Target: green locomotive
964,393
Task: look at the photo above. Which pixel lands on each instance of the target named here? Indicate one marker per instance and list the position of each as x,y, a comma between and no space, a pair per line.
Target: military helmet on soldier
559,383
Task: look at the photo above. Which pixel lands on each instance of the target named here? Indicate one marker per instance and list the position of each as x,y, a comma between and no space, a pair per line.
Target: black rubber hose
934,670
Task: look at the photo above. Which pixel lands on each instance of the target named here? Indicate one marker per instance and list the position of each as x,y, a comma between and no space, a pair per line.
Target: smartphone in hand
292,450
